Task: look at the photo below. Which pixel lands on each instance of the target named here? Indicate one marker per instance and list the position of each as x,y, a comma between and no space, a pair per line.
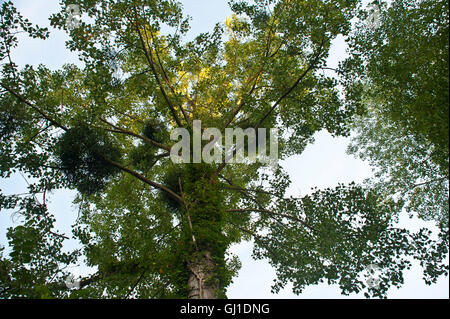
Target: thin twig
188,215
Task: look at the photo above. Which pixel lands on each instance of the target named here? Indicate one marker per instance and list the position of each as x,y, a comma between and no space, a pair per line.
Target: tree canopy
401,68
156,229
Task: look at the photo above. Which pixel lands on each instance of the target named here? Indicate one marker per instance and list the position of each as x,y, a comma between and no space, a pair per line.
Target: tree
402,67
155,229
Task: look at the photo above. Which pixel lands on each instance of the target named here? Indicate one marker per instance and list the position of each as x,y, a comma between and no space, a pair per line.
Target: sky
323,164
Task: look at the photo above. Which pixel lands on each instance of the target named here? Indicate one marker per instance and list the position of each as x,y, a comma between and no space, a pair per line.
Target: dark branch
144,138
146,180
272,213
149,57
296,83
34,107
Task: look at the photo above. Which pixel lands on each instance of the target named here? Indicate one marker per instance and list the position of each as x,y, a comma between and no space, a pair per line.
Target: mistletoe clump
85,154
155,130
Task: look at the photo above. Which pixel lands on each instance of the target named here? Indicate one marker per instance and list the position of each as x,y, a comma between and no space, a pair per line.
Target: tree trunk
203,237
202,283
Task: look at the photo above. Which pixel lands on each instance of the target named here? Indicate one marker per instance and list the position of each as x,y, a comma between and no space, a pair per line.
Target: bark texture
202,283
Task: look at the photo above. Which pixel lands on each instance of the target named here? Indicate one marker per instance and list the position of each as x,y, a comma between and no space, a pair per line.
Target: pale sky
323,164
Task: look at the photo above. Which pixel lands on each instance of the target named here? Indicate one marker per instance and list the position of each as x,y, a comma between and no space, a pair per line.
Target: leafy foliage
404,64
153,229
35,255
402,68
155,131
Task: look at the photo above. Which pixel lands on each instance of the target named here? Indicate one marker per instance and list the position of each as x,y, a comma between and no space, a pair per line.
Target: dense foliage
155,229
402,67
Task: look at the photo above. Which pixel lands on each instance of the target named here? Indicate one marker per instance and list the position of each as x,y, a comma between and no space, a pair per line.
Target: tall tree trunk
201,282
204,239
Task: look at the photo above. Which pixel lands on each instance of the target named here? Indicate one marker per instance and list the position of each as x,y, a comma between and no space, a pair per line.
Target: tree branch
145,180
256,77
149,57
296,83
188,215
270,212
166,78
144,138
34,107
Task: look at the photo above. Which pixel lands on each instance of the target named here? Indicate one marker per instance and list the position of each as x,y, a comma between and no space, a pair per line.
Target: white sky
323,164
